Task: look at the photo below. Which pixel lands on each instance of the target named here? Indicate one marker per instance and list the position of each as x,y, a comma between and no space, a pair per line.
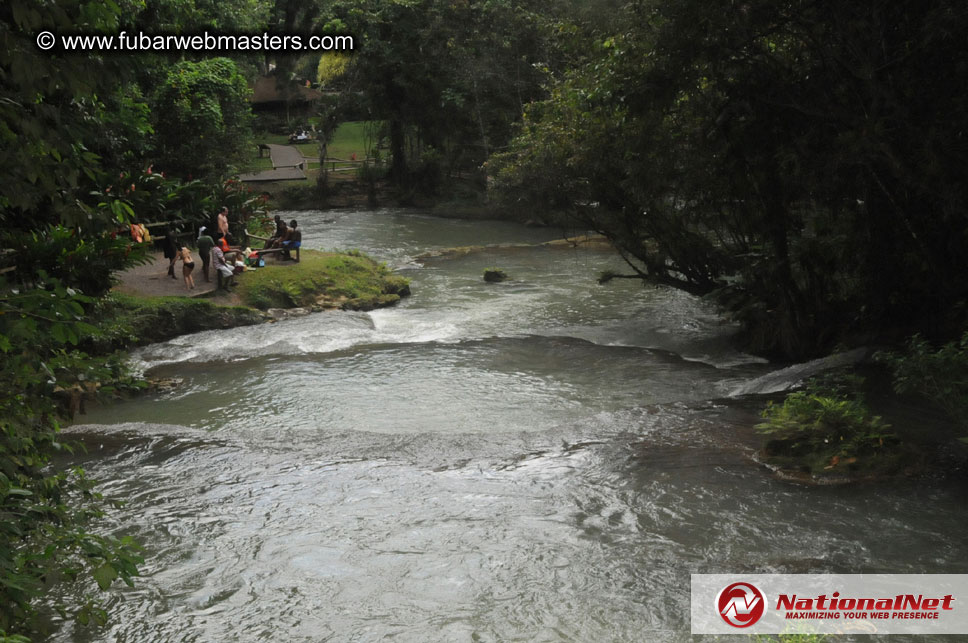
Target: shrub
825,427
48,513
940,375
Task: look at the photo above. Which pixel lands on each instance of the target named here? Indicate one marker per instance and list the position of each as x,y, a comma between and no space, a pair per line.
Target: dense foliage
202,115
76,144
45,514
938,374
448,78
799,160
56,238
828,428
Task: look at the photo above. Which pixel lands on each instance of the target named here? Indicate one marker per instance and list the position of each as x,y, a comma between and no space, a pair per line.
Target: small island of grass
321,280
347,280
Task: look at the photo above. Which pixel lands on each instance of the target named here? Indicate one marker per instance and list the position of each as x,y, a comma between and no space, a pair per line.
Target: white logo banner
830,603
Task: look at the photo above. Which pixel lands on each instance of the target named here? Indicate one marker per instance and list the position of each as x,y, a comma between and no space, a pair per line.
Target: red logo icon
741,604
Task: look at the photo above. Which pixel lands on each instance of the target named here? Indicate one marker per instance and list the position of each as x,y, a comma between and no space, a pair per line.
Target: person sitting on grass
293,240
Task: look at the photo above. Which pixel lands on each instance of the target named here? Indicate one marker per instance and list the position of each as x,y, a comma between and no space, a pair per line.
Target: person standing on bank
223,221
188,264
171,250
205,244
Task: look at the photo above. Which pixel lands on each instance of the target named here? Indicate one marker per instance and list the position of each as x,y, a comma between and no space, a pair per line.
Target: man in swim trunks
292,241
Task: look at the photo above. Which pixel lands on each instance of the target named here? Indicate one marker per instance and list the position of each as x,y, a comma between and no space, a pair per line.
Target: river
544,459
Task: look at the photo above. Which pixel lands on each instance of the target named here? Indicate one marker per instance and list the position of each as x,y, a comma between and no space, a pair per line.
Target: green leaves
202,117
939,374
814,133
105,575
827,426
48,512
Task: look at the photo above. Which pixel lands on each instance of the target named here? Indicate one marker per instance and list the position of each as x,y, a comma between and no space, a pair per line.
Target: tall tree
797,159
202,117
449,78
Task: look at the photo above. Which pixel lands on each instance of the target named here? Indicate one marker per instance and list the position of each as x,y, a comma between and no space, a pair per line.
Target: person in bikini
188,264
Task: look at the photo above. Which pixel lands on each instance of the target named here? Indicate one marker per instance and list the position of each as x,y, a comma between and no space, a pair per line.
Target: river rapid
544,459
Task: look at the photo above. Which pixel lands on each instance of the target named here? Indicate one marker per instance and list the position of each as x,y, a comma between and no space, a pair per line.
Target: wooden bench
277,251
268,251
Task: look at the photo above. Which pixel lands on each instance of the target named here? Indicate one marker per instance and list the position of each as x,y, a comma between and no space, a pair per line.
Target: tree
51,104
795,160
202,118
448,78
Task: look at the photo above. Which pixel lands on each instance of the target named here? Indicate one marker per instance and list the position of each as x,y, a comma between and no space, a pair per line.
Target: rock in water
494,275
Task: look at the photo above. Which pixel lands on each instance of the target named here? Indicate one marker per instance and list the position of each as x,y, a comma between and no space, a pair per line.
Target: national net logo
741,604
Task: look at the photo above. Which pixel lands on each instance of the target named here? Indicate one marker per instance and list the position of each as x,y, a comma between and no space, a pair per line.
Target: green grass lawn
348,141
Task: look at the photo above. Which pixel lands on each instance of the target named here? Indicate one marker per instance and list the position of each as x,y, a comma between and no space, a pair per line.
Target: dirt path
152,279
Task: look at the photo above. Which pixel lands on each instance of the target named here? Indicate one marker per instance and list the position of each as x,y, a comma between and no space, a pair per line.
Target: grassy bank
351,281
127,321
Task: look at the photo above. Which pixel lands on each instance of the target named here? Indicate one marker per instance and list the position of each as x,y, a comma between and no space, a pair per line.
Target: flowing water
544,459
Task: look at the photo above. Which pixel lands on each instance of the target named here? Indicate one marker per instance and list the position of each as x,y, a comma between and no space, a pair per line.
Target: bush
370,172
939,375
825,427
48,514
82,262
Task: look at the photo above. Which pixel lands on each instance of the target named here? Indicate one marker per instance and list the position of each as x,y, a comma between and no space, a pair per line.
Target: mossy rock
394,285
370,303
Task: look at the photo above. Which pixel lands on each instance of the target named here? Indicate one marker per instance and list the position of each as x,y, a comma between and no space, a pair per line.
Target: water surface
544,459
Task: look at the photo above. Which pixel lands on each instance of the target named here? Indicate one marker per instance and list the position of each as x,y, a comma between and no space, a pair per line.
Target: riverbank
137,313
460,200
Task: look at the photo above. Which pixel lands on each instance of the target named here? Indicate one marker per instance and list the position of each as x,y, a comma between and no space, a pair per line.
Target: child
188,264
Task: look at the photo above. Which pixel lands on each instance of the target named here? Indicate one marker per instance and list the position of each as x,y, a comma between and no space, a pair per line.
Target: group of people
213,249
287,237
216,249
301,136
